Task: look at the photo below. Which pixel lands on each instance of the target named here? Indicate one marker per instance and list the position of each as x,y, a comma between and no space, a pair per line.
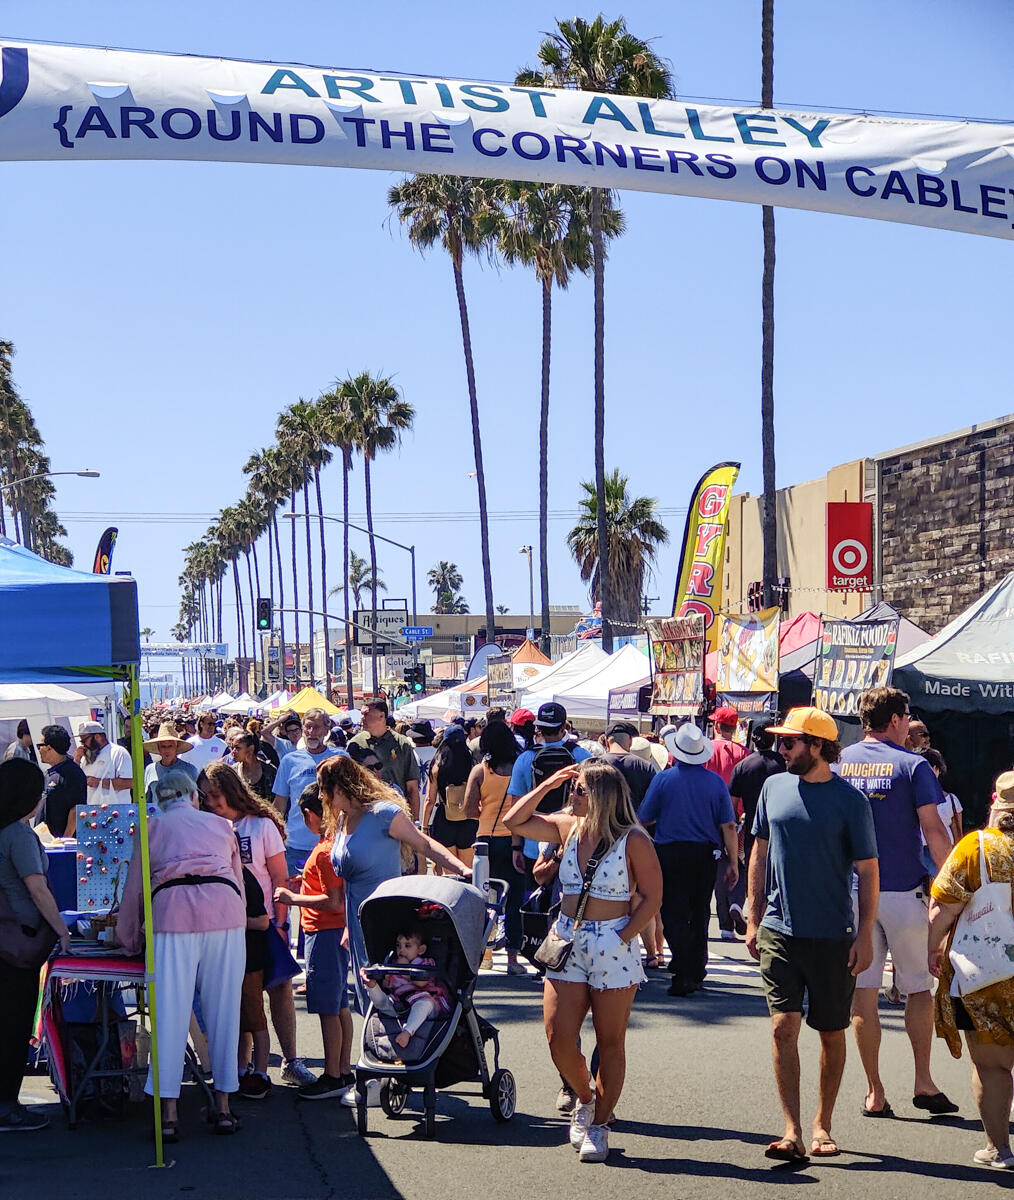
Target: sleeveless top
611,880
493,794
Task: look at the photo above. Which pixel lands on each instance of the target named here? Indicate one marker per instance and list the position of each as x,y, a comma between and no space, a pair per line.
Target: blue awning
58,625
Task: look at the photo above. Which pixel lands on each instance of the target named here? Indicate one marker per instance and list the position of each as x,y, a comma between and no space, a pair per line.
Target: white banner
74,102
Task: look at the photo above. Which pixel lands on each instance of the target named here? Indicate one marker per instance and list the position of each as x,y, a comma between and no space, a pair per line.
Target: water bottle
480,867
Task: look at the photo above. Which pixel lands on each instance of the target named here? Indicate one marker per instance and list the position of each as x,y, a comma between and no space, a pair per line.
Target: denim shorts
596,958
327,972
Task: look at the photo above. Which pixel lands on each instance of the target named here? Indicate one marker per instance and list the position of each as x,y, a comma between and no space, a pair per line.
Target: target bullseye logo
850,557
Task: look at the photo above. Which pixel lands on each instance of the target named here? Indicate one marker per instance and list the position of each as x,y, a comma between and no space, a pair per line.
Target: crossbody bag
555,950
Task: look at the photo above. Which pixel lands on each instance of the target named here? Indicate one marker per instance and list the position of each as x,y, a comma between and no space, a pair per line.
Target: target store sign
849,547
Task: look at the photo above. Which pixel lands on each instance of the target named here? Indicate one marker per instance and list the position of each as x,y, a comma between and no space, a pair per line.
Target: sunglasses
788,742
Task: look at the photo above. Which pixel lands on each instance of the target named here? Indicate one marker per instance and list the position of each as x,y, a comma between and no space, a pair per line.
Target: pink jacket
183,841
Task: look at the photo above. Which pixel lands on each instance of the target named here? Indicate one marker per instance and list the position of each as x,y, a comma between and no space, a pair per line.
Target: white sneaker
989,1156
296,1072
729,936
372,1095
595,1147
581,1117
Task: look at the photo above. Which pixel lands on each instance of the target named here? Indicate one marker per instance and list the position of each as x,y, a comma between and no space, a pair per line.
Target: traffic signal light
418,679
263,613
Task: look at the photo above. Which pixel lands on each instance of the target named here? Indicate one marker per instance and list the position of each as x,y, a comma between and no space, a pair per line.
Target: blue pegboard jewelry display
105,842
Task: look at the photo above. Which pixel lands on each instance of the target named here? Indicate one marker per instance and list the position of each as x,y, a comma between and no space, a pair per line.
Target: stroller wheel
393,1096
503,1095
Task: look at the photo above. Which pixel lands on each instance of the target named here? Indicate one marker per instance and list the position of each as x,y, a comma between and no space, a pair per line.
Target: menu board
500,681
677,652
853,657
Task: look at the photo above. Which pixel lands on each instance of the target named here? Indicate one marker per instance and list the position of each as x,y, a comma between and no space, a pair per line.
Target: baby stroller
448,1048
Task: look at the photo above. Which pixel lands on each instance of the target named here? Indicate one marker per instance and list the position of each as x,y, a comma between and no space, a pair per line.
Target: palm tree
340,432
548,227
600,56
444,577
501,609
379,416
299,429
635,533
769,526
454,211
266,482
360,579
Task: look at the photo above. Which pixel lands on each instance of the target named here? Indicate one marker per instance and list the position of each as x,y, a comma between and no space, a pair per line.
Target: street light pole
527,550
87,473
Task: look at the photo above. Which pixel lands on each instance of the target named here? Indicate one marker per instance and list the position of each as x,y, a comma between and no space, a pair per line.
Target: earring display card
105,842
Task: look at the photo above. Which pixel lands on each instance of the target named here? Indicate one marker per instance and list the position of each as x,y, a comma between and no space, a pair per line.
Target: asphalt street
697,1111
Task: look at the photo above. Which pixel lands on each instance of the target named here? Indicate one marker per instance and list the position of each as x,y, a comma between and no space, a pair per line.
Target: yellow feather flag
699,586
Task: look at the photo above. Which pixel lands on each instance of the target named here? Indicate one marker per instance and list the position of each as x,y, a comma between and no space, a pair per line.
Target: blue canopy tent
65,626
61,625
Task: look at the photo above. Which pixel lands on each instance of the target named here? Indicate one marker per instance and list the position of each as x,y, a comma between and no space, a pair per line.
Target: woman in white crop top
604,967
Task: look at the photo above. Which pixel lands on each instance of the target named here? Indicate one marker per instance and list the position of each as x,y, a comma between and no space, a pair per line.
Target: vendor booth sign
500,681
677,655
699,587
853,657
748,652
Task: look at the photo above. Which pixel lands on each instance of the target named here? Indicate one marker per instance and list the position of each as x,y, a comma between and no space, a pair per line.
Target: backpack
547,761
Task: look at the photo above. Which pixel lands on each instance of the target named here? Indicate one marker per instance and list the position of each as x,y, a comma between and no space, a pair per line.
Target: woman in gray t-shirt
24,887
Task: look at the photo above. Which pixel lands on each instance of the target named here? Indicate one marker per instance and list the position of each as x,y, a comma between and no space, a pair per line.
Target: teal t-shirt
815,832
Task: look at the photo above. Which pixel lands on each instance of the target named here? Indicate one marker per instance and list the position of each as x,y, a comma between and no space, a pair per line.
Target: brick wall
947,505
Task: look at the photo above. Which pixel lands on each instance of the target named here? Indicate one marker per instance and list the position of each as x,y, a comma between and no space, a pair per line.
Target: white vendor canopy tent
241,706
39,705
561,674
587,699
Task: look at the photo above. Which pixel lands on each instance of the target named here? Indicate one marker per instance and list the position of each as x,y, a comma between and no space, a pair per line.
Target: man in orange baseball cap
810,829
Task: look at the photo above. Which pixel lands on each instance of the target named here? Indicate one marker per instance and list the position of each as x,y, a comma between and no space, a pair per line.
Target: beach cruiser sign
72,103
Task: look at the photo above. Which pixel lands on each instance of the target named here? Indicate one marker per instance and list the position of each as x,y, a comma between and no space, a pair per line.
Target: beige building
801,544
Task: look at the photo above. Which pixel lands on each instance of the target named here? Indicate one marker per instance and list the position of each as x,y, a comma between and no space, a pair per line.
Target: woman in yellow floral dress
985,1017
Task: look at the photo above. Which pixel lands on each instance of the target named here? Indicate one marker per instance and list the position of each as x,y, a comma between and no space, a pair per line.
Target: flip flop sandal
651,962
886,1111
824,1148
786,1150
937,1105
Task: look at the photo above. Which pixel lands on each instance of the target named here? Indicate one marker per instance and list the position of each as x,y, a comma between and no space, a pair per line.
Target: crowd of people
835,865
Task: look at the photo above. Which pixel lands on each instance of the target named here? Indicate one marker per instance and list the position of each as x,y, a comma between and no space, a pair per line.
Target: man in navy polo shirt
903,793
693,817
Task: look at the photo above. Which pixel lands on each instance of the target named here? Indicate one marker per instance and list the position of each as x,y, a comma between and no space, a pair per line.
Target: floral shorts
600,957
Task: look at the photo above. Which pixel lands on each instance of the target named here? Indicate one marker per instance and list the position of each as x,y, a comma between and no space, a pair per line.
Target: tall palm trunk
271,593
769,523
258,637
547,341
346,468
239,613
480,474
253,620
281,600
297,658
309,578
598,252
323,585
373,568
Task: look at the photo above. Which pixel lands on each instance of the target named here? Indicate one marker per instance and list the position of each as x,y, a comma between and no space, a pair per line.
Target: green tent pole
137,758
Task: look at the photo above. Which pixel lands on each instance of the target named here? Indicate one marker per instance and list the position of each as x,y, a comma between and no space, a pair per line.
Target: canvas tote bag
982,948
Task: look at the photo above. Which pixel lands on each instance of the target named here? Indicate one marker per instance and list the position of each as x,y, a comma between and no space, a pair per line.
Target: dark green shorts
818,967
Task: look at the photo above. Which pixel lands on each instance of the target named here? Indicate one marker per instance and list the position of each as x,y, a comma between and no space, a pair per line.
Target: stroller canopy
391,906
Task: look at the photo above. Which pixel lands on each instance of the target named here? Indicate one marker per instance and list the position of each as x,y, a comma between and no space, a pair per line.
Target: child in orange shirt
322,914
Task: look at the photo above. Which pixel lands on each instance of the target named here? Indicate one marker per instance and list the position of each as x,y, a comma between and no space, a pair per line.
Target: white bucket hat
689,745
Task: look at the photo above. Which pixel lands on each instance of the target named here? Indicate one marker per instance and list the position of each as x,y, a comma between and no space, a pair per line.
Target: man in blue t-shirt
810,830
693,818
903,793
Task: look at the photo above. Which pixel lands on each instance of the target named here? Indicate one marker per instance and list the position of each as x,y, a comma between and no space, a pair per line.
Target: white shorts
901,926
616,966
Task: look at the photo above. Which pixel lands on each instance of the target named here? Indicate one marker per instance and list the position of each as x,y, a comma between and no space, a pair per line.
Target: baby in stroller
411,1001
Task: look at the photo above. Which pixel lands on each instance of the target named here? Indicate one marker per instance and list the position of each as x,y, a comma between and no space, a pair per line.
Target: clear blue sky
163,313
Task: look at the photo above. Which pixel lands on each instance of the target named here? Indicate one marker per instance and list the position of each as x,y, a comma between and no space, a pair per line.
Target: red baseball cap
726,715
521,716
